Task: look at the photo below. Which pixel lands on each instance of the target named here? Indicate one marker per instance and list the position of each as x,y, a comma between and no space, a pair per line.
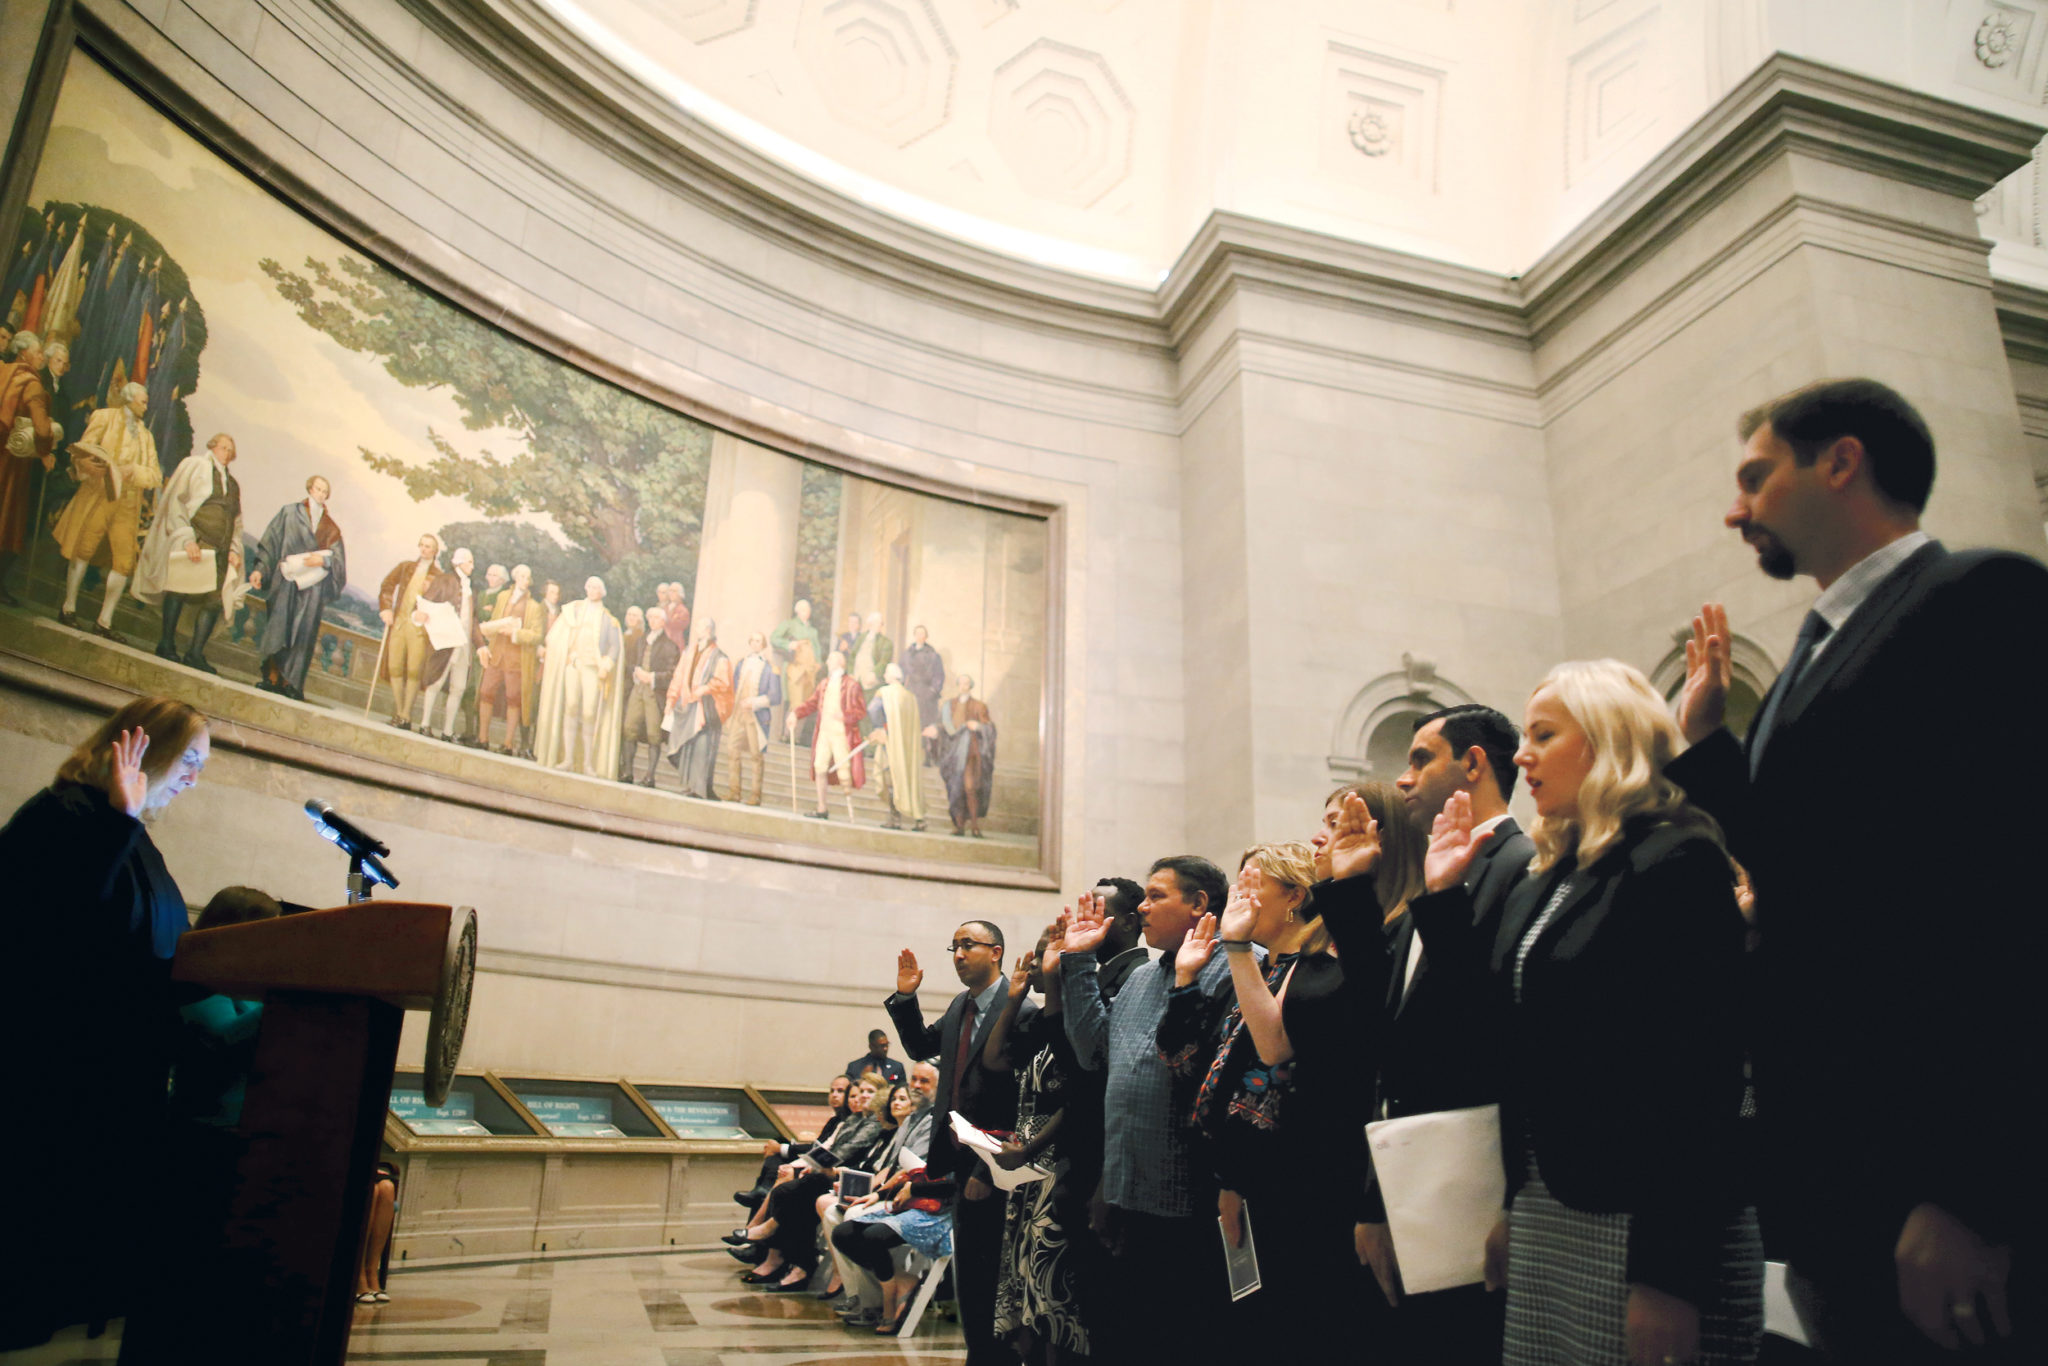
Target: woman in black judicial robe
92,919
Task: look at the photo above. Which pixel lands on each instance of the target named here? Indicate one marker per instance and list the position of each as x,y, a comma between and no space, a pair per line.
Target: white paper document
445,630
302,574
184,574
1441,1179
987,1145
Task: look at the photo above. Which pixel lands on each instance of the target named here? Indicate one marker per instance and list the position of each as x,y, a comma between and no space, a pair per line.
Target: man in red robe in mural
840,707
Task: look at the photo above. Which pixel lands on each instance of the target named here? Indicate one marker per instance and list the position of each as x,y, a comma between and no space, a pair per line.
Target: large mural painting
248,464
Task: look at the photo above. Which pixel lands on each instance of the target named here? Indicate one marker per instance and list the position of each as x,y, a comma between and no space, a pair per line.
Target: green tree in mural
817,540
622,477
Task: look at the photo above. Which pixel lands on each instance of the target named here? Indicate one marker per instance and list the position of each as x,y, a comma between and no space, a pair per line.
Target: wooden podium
335,986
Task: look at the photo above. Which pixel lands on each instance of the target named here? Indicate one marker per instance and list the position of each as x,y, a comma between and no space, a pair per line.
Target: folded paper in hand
444,626
302,574
987,1145
183,574
1441,1179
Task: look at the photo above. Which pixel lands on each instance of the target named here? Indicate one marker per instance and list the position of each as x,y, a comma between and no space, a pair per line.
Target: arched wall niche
1750,666
1371,737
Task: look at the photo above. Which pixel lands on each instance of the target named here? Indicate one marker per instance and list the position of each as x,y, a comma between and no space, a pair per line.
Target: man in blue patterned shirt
1168,1280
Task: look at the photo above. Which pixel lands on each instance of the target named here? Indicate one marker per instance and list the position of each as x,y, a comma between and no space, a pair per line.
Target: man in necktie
1902,1051
987,1099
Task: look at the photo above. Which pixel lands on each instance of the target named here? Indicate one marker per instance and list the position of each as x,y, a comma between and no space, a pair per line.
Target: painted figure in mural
550,598
924,673
653,663
198,521
699,701
799,650
406,651
850,636
580,696
31,437
671,597
840,707
872,653
756,691
635,627
967,757
510,656
896,729
449,669
114,463
303,559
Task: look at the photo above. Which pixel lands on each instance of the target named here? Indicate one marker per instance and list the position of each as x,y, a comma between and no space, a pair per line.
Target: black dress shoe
753,1254
68,619
107,633
199,662
751,1199
737,1238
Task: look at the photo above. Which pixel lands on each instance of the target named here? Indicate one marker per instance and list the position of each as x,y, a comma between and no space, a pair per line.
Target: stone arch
1381,714
1753,672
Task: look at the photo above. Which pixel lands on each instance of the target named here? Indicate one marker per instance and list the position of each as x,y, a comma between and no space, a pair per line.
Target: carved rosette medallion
1998,39
1370,133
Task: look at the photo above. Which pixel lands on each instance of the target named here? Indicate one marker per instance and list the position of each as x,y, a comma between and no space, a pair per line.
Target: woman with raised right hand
94,919
1627,1237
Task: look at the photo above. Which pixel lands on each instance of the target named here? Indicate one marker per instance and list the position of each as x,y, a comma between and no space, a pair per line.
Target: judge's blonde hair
171,726
1632,736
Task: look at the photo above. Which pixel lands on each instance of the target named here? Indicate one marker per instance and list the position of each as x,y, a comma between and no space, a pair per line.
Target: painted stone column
746,567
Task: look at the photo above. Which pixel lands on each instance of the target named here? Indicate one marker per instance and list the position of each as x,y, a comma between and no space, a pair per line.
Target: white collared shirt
1839,601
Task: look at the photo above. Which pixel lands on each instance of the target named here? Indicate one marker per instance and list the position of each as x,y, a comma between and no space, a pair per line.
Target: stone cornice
1787,103
2023,321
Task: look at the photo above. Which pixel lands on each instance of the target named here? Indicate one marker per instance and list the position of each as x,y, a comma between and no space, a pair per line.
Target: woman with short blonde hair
95,916
1627,1236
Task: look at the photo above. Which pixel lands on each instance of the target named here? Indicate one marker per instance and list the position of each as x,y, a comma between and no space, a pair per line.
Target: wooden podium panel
336,984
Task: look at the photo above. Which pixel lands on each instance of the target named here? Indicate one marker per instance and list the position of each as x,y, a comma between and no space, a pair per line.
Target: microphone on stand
360,845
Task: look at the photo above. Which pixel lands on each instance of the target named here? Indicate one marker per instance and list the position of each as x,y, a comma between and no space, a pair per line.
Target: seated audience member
787,1225
913,1210
373,1268
774,1155
96,919
1438,1053
877,1060
1045,1263
1286,1095
860,1293
924,1079
217,1034
1627,1237
1166,1294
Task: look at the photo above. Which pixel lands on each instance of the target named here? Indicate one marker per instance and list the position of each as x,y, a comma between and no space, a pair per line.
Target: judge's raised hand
1194,951
909,976
1703,701
1088,927
1354,846
126,785
1452,845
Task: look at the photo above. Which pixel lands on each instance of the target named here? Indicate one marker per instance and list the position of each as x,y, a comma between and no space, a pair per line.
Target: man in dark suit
987,1099
877,1060
1899,1057
1439,1053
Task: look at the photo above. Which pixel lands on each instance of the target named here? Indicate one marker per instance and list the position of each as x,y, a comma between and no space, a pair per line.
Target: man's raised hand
1194,951
909,976
1452,845
1703,701
1088,927
1354,846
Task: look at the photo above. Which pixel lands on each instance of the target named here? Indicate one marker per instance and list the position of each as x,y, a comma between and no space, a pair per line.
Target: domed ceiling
1097,135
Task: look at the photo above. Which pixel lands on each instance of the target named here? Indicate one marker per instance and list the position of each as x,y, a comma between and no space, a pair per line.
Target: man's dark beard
1774,559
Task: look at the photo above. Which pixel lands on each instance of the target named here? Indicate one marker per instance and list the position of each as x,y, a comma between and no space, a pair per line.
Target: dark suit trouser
1457,1327
977,1262
1852,1315
1168,1297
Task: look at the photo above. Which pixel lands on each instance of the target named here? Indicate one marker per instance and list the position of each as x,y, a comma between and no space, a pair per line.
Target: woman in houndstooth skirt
1627,1238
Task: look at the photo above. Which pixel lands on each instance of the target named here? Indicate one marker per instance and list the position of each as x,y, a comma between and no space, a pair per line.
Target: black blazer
987,1098
1439,1054
1891,830
1622,1062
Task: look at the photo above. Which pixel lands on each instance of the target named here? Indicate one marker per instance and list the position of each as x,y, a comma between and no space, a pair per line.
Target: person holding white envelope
1627,1236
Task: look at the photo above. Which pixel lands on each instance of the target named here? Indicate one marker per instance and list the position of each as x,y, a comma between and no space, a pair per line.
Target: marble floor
684,1309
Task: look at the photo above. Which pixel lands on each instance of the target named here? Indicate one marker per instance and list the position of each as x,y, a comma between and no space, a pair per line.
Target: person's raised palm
1452,845
1020,975
1354,846
1703,700
1087,927
1193,954
1241,912
909,976
127,786
1049,958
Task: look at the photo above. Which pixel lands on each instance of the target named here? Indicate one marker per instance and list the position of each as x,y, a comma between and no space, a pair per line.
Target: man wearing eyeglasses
987,1099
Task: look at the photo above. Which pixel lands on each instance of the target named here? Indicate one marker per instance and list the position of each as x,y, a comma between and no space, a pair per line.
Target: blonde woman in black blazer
1627,1237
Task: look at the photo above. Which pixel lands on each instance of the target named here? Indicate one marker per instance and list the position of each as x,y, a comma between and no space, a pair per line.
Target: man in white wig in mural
114,464
699,701
897,725
578,722
192,546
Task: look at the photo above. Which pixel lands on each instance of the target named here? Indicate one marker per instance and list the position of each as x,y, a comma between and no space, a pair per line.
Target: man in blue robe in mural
967,757
303,560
